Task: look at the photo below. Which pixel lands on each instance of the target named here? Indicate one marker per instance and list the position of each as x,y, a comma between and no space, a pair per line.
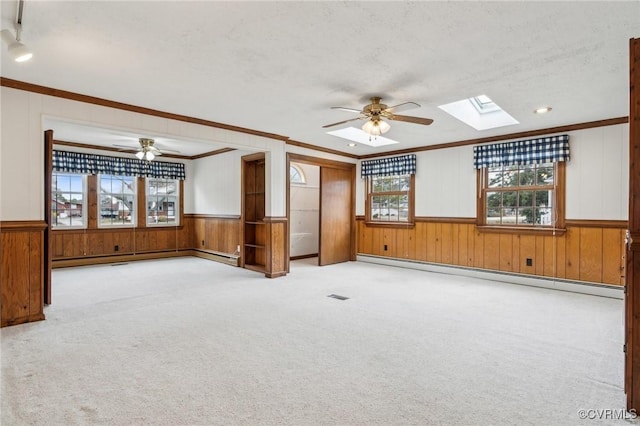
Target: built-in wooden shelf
254,255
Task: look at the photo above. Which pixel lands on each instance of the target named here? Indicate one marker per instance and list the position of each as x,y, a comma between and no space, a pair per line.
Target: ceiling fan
147,150
376,111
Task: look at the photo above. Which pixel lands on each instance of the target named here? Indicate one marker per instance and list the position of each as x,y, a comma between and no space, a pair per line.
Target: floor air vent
335,296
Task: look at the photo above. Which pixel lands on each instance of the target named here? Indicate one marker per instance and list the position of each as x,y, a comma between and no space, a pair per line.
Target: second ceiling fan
376,111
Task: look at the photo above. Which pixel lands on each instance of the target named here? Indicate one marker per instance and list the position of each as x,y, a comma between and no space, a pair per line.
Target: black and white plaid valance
402,165
92,164
531,151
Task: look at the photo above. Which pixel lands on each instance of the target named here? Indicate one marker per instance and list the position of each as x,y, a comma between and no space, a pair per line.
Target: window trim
134,216
178,207
85,211
558,201
410,223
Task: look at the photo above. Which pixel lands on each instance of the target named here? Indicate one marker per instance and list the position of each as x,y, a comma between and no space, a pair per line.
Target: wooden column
632,301
22,271
276,247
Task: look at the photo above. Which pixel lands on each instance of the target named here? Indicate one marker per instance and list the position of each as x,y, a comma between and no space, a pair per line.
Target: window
521,183
520,195
390,199
296,175
390,191
68,207
116,200
163,201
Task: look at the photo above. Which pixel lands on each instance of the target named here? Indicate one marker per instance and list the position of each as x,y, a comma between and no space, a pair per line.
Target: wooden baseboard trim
304,256
21,320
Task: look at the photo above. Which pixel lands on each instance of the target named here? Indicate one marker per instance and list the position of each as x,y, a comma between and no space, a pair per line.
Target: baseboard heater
227,258
596,289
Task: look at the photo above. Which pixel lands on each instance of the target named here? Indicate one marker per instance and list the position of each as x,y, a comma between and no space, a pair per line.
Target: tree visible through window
389,199
68,207
520,195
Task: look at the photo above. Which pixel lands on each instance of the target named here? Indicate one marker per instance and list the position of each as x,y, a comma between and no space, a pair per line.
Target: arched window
296,175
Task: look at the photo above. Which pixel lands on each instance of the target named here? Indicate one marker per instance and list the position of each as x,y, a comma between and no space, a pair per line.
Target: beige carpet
193,342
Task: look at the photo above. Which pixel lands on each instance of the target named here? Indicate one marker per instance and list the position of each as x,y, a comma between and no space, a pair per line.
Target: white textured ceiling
277,67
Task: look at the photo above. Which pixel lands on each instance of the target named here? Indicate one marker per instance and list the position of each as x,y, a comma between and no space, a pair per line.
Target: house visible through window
116,200
163,198
68,207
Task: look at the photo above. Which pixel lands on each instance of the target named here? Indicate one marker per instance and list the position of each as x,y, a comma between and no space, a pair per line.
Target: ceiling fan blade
345,121
347,109
132,148
402,107
409,119
163,149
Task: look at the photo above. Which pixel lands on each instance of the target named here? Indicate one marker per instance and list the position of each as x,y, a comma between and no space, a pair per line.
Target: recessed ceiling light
542,110
352,145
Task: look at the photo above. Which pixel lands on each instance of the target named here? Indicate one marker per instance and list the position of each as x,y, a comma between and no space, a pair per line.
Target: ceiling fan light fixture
146,149
376,127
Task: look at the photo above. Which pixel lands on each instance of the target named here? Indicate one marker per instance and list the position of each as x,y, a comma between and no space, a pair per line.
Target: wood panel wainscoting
591,251
93,246
21,272
216,237
209,236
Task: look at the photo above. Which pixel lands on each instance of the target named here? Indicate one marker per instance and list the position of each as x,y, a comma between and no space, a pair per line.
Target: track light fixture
18,51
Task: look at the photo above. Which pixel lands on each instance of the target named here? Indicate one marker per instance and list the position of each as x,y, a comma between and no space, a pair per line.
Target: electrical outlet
529,261
116,248
238,248
385,247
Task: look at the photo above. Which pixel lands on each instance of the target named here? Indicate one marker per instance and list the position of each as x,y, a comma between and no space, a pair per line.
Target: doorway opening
304,211
320,210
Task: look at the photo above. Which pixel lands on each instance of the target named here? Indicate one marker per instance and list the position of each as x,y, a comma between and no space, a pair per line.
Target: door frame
321,162
632,273
47,254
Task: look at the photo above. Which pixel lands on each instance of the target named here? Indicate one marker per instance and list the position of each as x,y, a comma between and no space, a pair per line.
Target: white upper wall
446,183
216,184
598,174
22,147
597,178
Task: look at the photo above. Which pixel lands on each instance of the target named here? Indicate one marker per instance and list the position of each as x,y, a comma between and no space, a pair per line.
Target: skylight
479,112
357,135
